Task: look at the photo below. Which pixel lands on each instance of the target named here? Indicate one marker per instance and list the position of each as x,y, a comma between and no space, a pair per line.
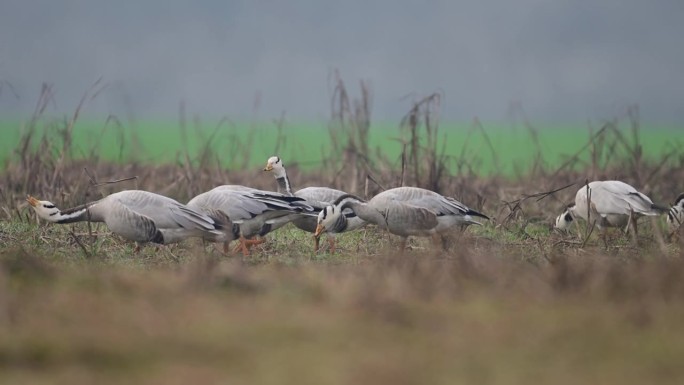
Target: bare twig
80,244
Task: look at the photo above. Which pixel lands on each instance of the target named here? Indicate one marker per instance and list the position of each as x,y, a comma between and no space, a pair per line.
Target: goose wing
437,203
440,205
235,187
615,197
234,205
323,195
407,219
131,225
243,205
402,194
188,218
282,201
165,212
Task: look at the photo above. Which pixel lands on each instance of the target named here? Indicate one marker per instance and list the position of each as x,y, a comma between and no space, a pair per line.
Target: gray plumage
321,197
142,216
407,211
318,197
329,220
253,211
612,204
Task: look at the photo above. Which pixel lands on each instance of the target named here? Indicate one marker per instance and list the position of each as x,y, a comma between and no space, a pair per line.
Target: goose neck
365,212
284,186
87,212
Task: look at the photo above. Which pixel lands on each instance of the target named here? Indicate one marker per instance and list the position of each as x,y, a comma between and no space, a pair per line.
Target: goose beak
268,167
319,230
32,201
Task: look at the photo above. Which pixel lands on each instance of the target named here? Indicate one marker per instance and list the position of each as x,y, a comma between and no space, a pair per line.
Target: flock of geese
245,214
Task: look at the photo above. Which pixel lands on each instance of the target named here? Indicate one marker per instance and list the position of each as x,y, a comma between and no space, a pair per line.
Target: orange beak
32,201
319,230
268,167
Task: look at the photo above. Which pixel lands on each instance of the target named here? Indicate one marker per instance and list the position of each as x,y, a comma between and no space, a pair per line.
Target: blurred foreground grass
475,314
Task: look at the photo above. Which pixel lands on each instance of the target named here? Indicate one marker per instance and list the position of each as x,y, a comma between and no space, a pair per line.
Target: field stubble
508,302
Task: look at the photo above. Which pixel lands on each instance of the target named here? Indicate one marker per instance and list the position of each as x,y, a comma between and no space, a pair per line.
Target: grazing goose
318,197
675,217
613,204
402,211
330,222
253,212
142,216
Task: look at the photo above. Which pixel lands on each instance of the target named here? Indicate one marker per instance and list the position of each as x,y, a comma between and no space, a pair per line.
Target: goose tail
660,208
223,226
474,213
468,220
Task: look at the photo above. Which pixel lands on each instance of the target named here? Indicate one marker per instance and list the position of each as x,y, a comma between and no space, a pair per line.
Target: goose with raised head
142,216
253,212
675,216
318,197
609,203
403,211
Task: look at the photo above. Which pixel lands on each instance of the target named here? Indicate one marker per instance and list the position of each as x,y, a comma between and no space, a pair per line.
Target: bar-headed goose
253,212
610,203
331,222
402,211
675,217
318,197
142,216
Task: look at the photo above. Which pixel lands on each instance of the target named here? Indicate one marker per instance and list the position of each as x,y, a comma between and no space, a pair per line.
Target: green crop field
158,142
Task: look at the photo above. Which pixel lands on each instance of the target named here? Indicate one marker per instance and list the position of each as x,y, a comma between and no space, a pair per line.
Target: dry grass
509,302
450,318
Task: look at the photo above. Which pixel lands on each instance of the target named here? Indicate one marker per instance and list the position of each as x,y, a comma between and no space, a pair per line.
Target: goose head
326,218
45,209
275,164
564,220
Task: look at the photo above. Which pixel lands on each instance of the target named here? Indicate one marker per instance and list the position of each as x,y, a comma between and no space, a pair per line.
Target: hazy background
563,60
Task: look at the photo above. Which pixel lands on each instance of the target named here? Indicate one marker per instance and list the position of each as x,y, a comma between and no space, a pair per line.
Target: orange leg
245,244
317,242
331,242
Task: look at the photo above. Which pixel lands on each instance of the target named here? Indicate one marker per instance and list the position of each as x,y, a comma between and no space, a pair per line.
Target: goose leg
241,246
604,237
331,242
245,244
634,227
402,246
632,222
440,241
317,242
